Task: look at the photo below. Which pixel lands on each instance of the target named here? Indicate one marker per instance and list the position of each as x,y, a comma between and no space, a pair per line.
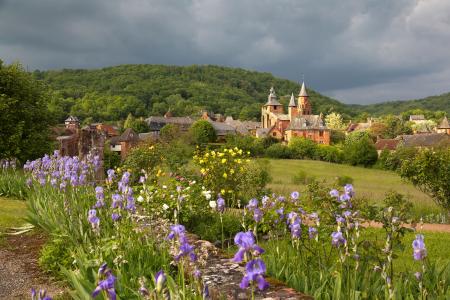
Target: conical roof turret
292,101
303,92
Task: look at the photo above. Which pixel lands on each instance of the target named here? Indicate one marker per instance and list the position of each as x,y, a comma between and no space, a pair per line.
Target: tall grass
13,184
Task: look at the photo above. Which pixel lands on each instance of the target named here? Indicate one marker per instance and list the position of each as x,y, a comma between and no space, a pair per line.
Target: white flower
207,194
164,186
213,204
165,206
140,199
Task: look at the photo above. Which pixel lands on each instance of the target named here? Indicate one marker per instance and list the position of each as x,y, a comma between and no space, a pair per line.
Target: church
298,122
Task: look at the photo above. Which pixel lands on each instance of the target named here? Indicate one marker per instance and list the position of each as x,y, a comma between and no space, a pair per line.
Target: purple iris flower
344,198
99,193
337,239
141,179
254,271
348,188
296,228
160,280
197,274
115,217
340,219
252,204
334,193
246,243
418,275
42,295
117,201
264,201
295,195
257,215
92,218
292,216
221,204
186,250
420,252
312,232
29,182
131,204
347,214
176,231
106,285
280,213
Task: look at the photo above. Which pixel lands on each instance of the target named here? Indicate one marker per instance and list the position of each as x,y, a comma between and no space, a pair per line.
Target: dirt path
19,269
425,227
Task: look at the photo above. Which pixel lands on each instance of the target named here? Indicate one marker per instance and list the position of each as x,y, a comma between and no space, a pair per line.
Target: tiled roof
424,140
416,117
222,128
306,122
389,144
156,123
72,119
272,98
129,135
303,92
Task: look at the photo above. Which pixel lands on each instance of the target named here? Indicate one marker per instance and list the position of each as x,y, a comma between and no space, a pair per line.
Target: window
320,132
274,134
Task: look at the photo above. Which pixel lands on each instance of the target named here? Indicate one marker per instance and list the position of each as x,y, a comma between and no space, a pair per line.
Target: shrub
247,143
301,177
169,132
54,255
329,153
176,154
111,159
278,151
202,132
360,150
395,158
343,180
302,148
143,157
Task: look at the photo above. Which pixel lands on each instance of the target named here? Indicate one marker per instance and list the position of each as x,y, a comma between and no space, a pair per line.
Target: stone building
298,122
443,127
122,144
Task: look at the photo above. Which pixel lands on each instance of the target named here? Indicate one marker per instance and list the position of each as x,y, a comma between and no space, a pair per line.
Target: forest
111,93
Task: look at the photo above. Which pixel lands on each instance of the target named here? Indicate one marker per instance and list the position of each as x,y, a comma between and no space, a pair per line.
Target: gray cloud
357,51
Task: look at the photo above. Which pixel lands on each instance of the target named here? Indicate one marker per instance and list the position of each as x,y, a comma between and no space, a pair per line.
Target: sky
357,51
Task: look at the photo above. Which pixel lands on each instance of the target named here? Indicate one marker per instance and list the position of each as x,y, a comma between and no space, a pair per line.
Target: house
68,137
298,122
212,116
427,140
443,127
155,123
352,127
386,144
417,119
222,129
122,144
243,127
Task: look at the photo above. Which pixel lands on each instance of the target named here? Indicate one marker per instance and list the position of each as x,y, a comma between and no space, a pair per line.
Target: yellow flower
247,160
248,152
230,191
231,171
152,147
118,170
203,171
224,160
222,191
225,175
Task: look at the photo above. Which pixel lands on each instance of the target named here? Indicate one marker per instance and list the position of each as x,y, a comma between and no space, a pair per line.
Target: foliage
344,179
142,157
302,148
337,137
329,153
359,150
202,132
230,173
334,121
176,154
278,151
169,132
138,125
429,170
24,117
54,255
394,160
13,184
111,159
247,143
301,177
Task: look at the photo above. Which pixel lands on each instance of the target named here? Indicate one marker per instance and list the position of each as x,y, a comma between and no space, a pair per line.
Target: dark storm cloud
357,51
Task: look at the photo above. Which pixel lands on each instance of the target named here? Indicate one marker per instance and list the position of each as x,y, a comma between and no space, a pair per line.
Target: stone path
19,269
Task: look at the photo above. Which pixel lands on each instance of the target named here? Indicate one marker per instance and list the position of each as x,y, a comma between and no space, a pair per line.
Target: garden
134,233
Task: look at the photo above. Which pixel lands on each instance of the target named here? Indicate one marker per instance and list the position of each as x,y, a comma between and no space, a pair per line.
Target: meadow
372,185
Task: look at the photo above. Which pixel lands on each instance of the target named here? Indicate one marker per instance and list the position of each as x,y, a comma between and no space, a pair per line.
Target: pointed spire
272,99
303,92
292,101
444,123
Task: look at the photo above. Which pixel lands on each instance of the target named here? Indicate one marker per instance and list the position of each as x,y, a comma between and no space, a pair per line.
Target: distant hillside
433,103
114,92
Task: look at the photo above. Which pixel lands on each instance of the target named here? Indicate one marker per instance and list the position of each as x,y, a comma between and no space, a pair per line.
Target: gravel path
19,269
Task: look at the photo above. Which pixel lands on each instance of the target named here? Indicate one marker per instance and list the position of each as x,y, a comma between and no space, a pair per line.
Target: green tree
169,132
24,115
138,125
334,121
429,170
359,149
202,132
302,148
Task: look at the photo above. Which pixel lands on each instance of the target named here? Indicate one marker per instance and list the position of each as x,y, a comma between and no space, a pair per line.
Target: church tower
292,111
304,107
271,107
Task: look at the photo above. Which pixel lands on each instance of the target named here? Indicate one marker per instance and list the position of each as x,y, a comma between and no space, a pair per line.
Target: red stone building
298,122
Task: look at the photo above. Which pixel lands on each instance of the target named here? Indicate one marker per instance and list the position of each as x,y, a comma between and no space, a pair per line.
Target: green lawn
371,184
12,213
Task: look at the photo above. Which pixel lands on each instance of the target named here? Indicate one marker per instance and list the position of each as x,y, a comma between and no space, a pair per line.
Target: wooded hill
114,92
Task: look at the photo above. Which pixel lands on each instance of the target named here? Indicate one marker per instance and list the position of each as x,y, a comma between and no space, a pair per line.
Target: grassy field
371,184
12,213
